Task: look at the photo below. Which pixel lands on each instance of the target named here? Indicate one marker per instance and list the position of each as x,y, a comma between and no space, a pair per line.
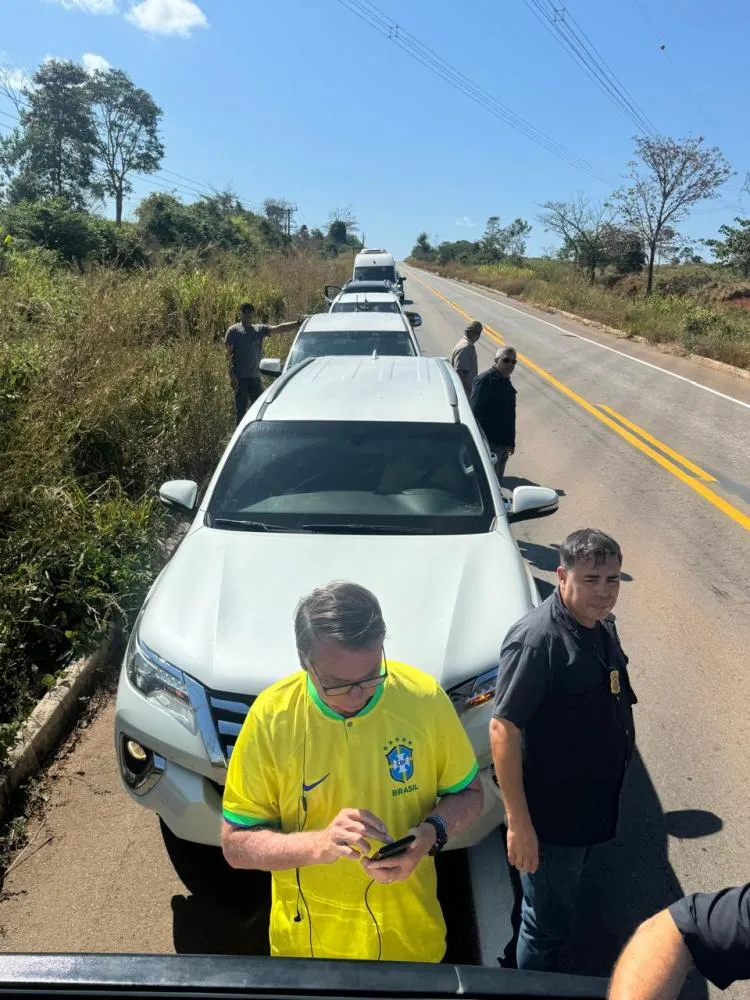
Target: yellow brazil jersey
402,751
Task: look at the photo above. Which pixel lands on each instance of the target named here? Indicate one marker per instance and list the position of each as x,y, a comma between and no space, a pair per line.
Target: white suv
367,469
348,333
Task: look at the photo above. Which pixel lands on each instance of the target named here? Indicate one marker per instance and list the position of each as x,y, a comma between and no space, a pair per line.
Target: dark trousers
246,391
548,907
502,451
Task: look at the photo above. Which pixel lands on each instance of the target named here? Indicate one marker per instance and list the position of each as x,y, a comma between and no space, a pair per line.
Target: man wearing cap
493,400
464,356
244,344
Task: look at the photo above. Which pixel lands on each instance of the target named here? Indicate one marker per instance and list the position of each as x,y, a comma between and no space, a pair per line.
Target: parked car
378,265
367,469
359,333
356,301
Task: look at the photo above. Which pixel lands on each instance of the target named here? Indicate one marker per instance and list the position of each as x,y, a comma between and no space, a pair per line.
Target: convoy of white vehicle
363,461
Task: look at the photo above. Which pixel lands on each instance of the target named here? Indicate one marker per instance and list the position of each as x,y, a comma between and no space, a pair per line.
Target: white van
378,265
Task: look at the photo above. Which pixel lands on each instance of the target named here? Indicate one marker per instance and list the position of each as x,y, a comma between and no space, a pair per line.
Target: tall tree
583,226
51,153
734,249
127,140
422,249
670,178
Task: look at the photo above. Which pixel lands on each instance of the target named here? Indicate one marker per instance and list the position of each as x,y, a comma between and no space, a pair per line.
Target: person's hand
523,846
349,835
399,868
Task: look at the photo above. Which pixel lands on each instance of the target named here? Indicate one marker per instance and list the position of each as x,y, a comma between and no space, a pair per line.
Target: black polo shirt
566,687
716,930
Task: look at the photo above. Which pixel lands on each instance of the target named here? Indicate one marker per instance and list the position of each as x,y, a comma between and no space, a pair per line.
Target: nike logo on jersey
309,788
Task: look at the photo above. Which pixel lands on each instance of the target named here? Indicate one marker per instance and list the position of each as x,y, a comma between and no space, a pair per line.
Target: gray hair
503,352
586,544
342,613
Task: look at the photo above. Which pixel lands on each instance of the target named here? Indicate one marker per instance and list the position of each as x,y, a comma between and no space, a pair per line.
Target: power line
562,25
367,12
663,49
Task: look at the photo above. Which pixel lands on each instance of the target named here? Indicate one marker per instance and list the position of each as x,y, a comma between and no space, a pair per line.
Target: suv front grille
229,711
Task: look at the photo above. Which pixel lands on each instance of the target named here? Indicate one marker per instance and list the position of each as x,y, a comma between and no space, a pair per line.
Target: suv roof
367,286
412,390
366,321
355,296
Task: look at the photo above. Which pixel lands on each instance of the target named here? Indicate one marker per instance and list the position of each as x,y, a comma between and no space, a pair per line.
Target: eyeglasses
509,361
366,684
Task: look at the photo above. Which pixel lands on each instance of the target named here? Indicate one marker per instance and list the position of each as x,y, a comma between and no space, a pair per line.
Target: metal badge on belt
614,681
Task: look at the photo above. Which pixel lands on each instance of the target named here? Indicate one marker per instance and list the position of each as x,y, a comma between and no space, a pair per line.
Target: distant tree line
82,138
628,232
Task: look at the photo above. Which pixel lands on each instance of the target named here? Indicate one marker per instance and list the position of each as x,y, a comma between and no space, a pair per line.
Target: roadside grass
690,308
110,383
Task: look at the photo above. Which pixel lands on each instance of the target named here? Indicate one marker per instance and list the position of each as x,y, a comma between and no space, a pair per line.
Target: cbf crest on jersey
400,757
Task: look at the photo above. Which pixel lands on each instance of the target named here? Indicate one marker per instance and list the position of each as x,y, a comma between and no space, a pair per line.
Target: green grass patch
110,383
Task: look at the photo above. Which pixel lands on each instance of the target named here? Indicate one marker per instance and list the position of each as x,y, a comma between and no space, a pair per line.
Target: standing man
335,760
562,735
493,400
244,344
464,356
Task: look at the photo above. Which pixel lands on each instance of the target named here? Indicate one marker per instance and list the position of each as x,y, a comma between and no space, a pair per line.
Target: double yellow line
669,459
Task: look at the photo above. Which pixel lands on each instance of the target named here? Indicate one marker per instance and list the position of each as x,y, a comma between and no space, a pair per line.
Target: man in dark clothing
562,735
493,401
710,931
244,344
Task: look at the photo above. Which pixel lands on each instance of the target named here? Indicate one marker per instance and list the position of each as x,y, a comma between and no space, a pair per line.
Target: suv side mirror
179,495
271,366
414,318
532,501
331,291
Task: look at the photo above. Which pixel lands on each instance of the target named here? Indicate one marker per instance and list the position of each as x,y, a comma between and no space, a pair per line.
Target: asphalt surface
96,876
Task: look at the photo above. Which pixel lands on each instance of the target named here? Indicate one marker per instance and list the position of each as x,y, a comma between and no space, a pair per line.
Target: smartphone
394,849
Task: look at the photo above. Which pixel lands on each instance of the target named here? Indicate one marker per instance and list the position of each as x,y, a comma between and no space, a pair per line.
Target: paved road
684,612
104,882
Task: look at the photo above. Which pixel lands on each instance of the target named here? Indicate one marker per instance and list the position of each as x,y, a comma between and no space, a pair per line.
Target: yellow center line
695,484
685,462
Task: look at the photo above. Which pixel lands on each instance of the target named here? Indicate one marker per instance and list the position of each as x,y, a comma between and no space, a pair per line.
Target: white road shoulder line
604,347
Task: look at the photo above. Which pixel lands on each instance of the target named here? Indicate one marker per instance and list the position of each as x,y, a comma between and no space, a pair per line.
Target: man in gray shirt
244,344
464,356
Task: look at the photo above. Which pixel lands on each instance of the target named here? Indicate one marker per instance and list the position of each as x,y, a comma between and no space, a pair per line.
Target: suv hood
222,609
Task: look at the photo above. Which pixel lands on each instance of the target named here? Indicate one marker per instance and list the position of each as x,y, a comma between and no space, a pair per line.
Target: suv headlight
477,691
160,683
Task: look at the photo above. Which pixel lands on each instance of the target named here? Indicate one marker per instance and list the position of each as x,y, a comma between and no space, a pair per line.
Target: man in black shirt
710,931
493,402
562,735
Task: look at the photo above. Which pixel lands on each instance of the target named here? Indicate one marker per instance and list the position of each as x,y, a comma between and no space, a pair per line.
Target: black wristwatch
441,830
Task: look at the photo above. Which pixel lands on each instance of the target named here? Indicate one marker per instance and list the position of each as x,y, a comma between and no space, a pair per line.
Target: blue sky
303,100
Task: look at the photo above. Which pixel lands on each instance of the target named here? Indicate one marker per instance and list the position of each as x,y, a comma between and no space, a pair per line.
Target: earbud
298,918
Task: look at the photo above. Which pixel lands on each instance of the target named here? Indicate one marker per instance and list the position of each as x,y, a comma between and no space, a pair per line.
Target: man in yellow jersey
334,761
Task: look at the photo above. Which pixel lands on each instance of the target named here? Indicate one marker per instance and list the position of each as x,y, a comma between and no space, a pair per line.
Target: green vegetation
691,305
111,381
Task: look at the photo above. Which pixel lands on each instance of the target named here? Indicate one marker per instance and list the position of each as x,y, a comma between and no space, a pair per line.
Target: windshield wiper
368,529
237,524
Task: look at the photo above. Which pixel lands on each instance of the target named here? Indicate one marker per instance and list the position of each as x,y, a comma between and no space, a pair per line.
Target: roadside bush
110,383
690,308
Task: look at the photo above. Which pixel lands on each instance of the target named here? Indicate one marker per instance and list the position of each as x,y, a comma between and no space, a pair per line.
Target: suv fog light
140,767
136,751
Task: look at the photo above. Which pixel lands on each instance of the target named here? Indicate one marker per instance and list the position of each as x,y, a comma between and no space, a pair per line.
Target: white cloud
93,63
167,17
14,77
466,222
89,6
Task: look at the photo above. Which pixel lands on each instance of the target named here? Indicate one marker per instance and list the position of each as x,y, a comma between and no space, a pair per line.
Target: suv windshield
385,272
388,343
354,476
365,306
